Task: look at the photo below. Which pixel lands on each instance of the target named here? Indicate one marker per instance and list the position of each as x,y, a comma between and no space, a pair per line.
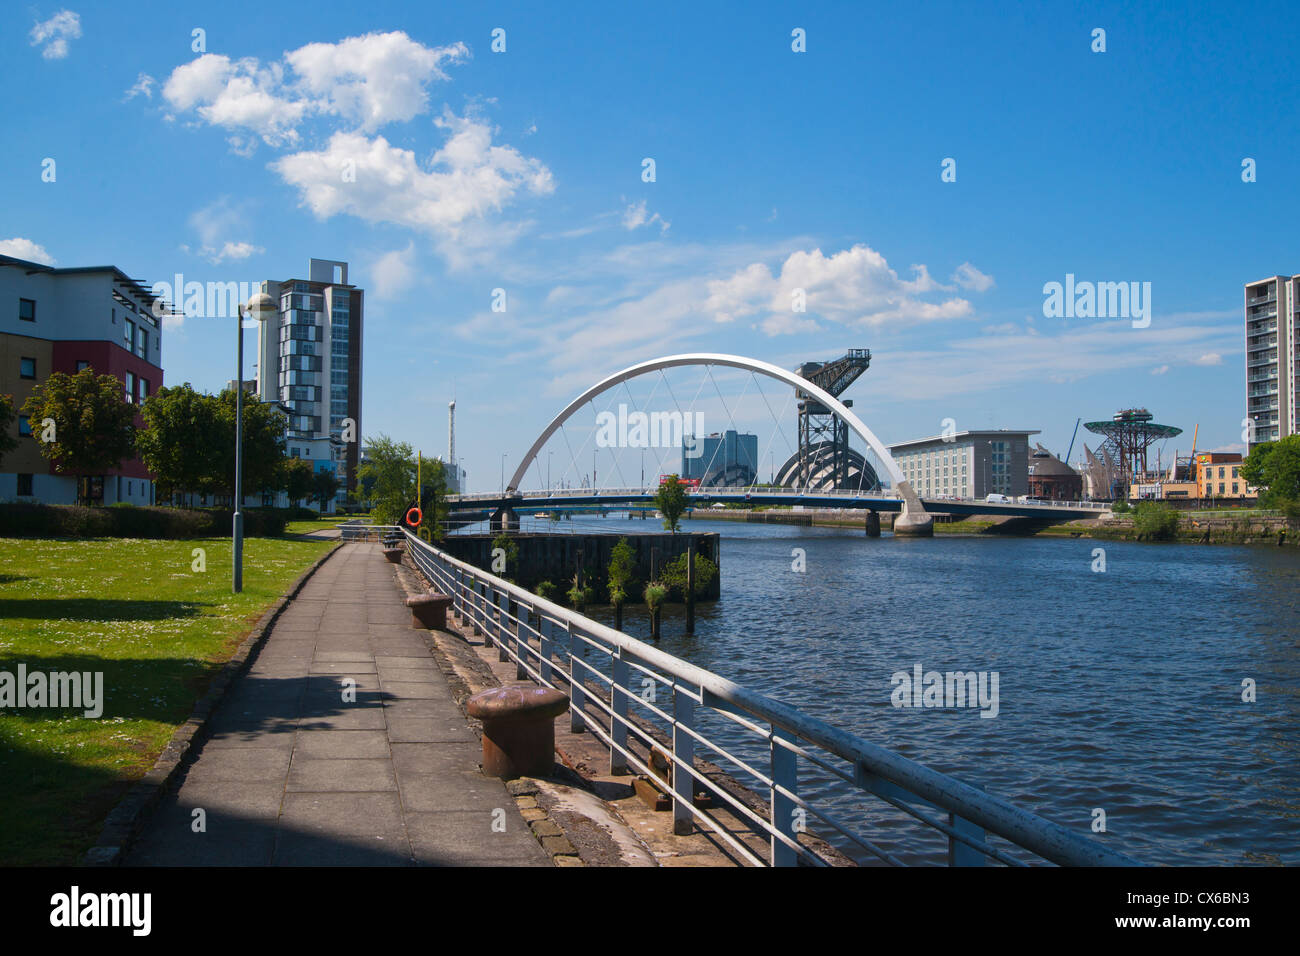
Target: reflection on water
1118,691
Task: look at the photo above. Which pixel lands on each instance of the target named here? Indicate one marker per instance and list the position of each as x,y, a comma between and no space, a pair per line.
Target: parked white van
998,500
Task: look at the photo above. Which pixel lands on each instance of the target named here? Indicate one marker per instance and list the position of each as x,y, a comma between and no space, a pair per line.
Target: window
130,387
142,342
27,368
82,364
1220,487
25,486
24,425
27,310
143,392
128,334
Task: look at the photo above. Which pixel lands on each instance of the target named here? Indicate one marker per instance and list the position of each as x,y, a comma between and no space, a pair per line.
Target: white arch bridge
914,516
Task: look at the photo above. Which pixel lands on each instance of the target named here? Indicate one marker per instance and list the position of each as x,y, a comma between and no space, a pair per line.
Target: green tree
510,551
263,443
622,569
324,487
8,442
433,498
182,440
655,595
296,479
94,425
673,575
1275,466
671,500
390,471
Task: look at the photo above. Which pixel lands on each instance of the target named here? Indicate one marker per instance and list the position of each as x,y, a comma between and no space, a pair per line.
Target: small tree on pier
671,501
622,568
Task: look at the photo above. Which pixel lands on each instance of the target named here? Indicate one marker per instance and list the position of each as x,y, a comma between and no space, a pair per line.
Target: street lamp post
503,473
237,531
260,306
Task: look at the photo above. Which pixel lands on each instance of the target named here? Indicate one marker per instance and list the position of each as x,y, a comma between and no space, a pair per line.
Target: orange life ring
419,519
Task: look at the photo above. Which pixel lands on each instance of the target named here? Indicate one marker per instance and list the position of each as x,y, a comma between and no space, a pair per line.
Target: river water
1118,690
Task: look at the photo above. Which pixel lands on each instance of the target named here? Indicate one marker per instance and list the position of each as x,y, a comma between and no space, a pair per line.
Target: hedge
25,520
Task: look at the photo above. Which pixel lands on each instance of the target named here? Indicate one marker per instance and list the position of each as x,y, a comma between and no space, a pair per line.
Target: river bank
1194,527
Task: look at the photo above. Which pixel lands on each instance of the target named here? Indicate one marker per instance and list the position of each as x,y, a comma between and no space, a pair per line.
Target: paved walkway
296,774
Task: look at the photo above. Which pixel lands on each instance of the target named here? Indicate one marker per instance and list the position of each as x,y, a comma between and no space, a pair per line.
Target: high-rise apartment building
309,360
1272,350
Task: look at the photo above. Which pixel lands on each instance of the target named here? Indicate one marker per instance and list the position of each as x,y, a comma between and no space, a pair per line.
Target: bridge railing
606,673
758,494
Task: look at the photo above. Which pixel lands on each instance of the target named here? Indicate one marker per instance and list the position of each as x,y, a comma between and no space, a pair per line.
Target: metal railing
598,666
367,532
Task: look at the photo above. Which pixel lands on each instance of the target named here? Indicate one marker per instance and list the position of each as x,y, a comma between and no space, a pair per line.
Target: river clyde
1117,691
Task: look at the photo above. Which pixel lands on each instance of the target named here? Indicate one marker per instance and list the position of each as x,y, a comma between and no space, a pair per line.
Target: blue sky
775,170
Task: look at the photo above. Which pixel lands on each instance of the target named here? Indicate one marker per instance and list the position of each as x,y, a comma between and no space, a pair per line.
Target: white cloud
374,79
854,286
968,277
235,250
393,272
215,223
55,33
463,181
20,248
144,84
236,94
1210,358
635,216
1160,370
968,366
368,81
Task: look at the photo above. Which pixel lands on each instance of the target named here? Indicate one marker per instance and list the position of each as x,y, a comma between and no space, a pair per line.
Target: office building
729,459
309,360
1272,349
65,320
970,464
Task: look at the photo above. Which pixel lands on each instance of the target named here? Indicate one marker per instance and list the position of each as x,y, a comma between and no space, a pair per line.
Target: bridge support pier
913,521
873,524
505,519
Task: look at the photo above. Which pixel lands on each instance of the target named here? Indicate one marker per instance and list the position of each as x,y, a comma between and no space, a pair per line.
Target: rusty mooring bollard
518,729
429,611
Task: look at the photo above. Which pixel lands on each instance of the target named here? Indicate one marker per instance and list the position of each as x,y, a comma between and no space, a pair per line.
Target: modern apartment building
64,320
309,360
970,464
1272,350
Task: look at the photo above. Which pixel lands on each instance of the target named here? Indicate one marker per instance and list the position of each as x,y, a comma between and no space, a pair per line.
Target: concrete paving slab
289,774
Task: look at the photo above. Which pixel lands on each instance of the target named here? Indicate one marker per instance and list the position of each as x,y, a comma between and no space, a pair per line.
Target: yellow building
1218,475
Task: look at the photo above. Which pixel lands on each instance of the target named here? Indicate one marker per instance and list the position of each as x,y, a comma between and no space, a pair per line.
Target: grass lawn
138,612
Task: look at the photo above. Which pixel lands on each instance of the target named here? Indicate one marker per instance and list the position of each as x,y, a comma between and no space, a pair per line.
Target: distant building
309,360
1051,479
1218,475
727,459
53,320
1272,340
970,464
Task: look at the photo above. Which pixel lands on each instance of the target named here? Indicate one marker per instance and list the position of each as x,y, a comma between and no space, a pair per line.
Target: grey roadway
295,773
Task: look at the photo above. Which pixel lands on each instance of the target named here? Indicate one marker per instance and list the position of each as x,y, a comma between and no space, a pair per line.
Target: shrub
28,520
673,575
1121,507
1156,521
